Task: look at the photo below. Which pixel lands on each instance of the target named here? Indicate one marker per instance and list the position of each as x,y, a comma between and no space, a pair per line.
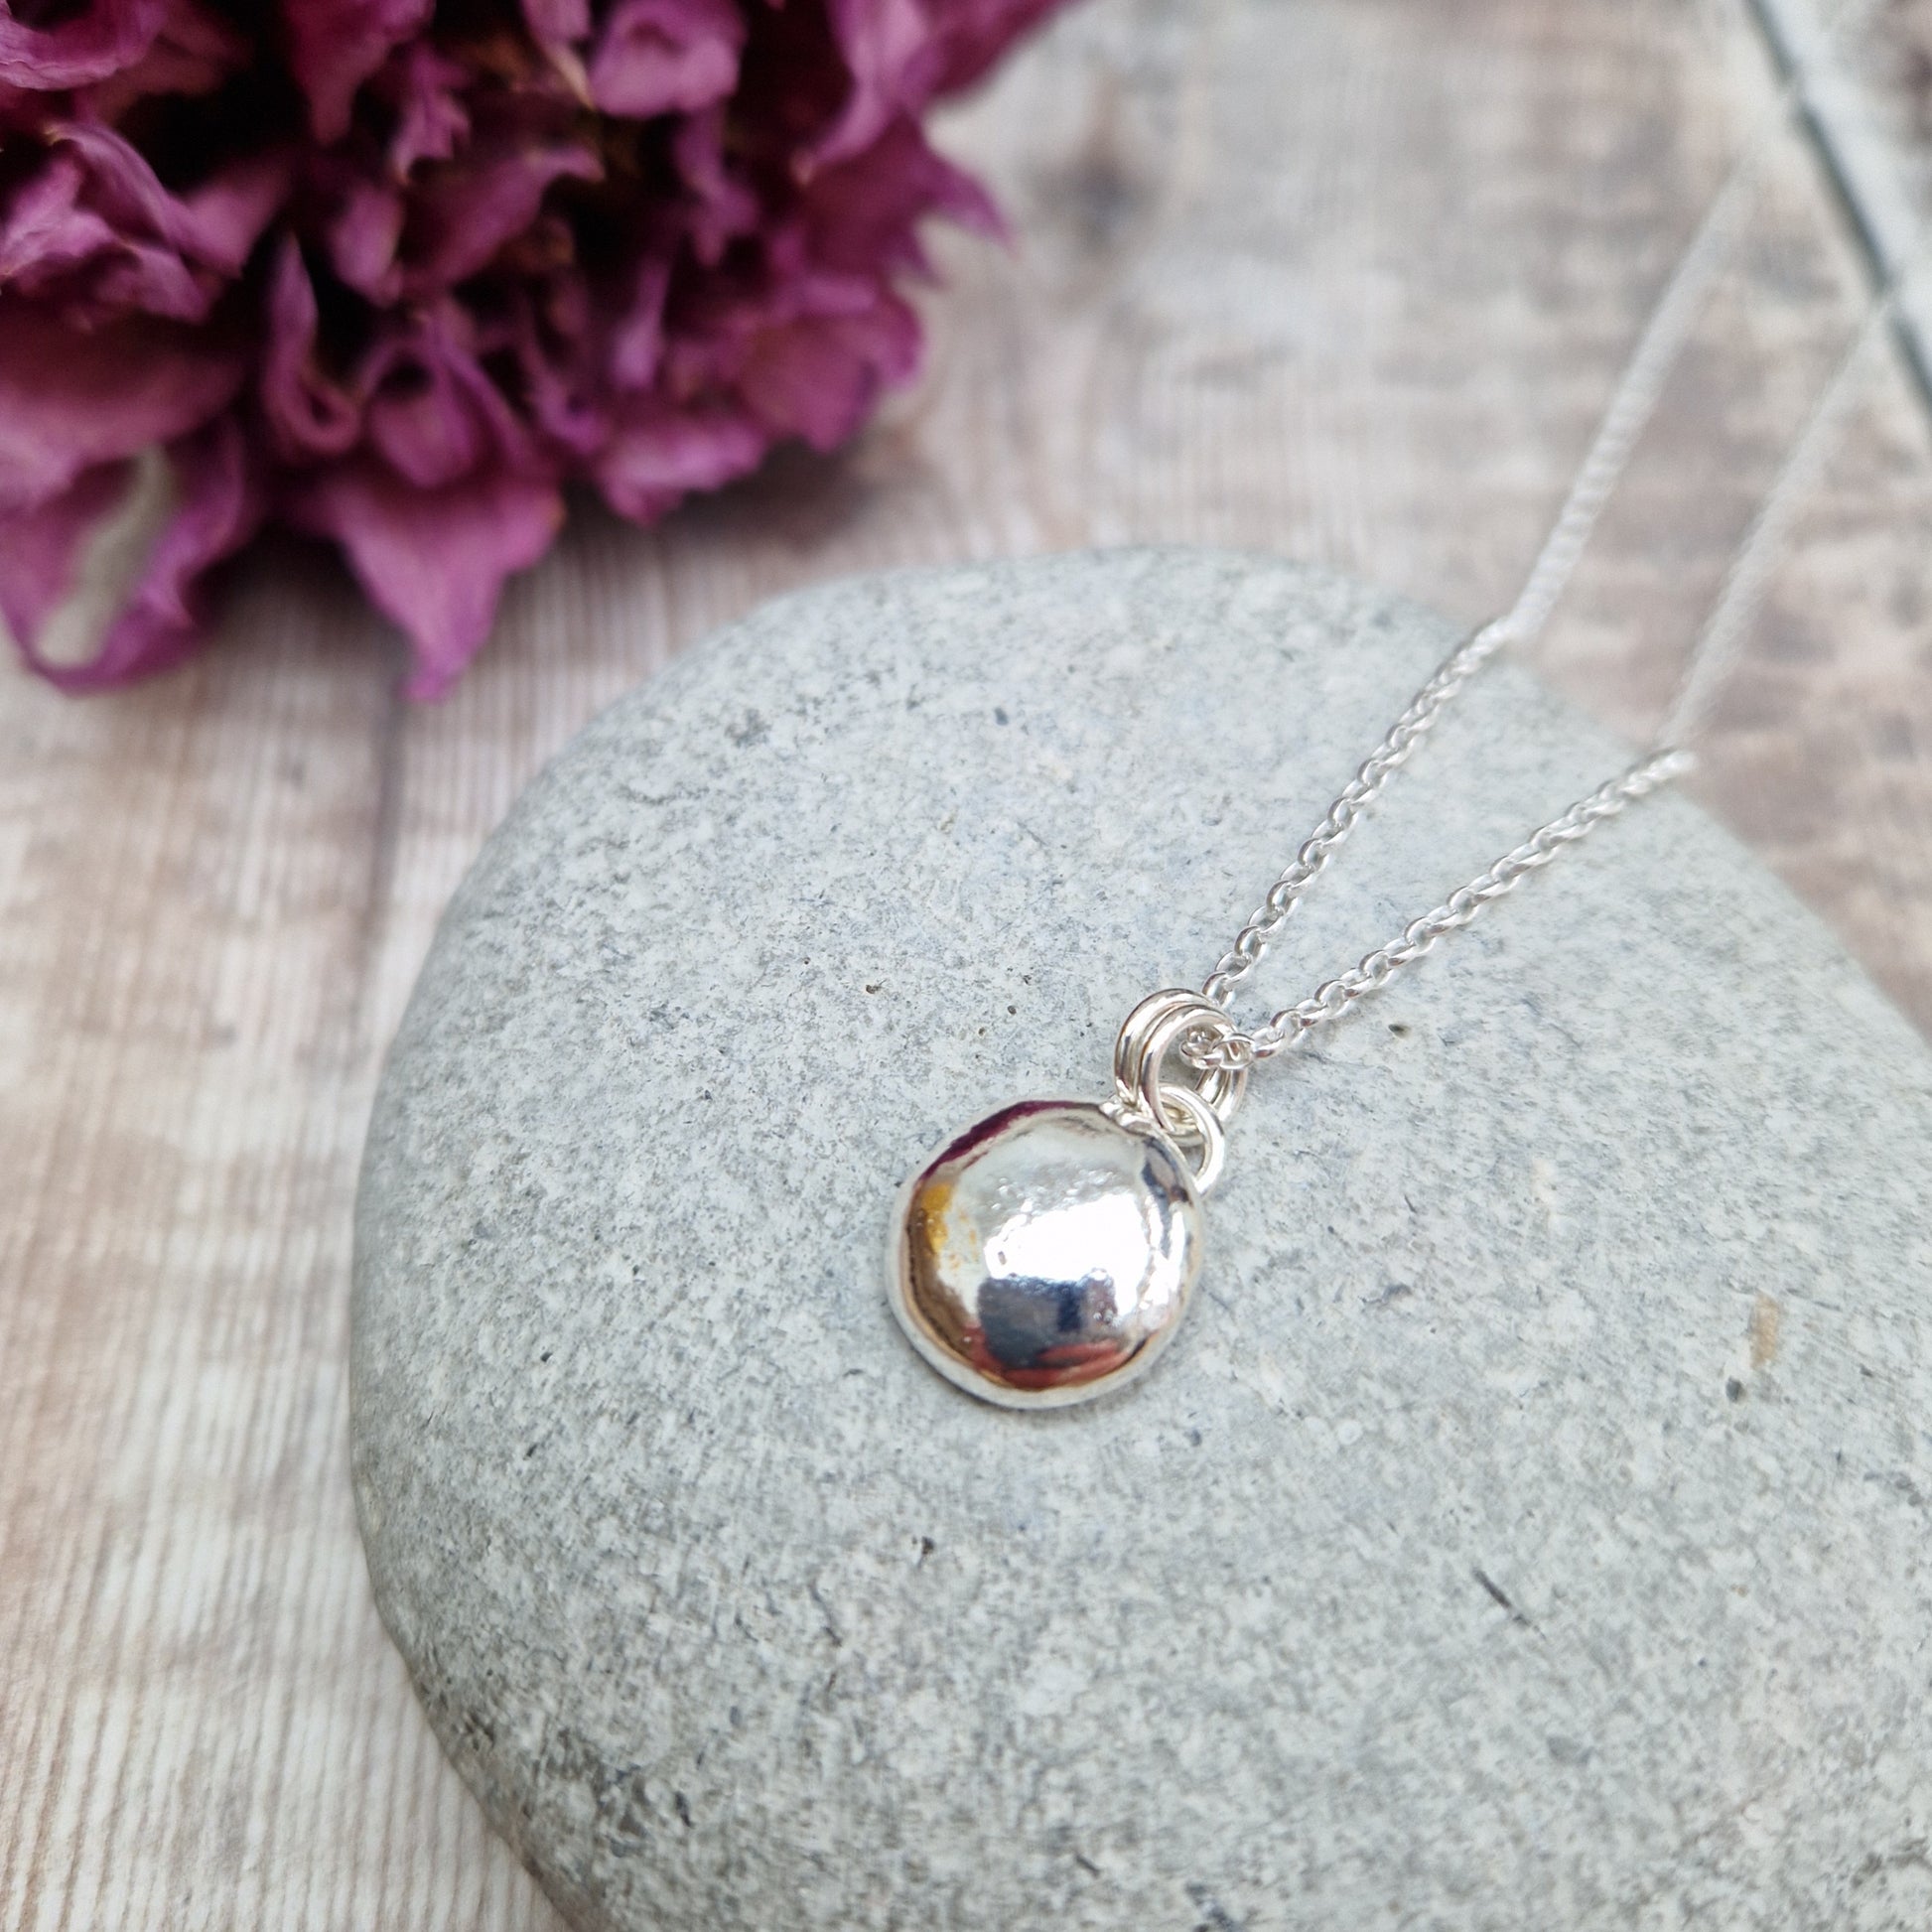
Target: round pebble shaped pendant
1047,1254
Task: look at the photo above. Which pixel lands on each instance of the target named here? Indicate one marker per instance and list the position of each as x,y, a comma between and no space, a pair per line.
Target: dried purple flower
396,272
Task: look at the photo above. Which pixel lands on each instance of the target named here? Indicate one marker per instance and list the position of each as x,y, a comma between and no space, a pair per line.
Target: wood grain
1340,278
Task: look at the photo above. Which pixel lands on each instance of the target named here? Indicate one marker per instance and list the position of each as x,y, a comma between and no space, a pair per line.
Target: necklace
1046,1255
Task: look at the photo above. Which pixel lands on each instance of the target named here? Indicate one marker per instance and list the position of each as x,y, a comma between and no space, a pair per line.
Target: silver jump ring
1160,1024
1204,1142
1148,1041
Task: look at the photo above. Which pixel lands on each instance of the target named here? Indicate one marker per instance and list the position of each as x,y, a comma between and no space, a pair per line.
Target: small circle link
1191,1105
1204,1146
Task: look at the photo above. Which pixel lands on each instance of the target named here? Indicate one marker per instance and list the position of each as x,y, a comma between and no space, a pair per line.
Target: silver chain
1220,1048
1237,1051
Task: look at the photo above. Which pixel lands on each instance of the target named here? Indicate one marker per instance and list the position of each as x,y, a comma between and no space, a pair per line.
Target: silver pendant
1047,1254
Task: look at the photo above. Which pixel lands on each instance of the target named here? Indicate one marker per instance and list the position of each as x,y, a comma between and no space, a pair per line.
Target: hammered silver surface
1044,1256
1527,1526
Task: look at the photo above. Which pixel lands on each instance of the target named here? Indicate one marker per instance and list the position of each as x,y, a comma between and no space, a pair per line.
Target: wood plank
1340,278
1819,51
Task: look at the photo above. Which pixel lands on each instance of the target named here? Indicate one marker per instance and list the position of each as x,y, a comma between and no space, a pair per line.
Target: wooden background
1344,279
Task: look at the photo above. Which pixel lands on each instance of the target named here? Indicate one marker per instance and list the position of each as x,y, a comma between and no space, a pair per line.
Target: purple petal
637,342
46,231
434,414
98,41
204,501
217,225
39,547
155,281
435,561
195,52
231,211
975,32
559,373
421,423
658,456
819,376
664,57
461,214
71,399
308,414
895,61
556,23
333,46
904,53
363,235
862,215
722,207
424,88
97,205
809,356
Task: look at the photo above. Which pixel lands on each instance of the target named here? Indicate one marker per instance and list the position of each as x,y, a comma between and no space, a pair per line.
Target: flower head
396,272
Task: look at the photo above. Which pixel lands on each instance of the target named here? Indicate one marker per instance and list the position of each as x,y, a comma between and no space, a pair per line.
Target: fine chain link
1748,576
1333,997
1388,757
1737,601
1633,402
1631,406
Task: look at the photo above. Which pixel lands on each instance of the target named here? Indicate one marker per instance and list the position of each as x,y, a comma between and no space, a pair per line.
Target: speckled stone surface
1528,1530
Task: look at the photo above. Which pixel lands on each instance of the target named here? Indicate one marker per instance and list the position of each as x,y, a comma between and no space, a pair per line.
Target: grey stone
1529,1528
